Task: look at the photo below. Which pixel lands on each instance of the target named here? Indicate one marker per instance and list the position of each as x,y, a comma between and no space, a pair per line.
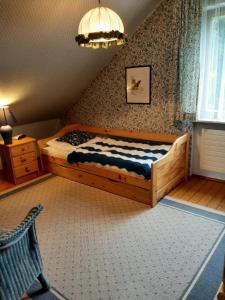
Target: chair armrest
10,238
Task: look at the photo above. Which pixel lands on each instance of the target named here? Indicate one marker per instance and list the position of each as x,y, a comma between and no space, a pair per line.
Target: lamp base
6,132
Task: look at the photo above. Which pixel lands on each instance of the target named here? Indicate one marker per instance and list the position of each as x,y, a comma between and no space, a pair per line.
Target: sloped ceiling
42,70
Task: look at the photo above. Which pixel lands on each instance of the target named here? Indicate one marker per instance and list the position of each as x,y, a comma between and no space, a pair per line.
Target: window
211,101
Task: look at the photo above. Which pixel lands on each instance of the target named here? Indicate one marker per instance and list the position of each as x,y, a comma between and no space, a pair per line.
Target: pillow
59,145
76,137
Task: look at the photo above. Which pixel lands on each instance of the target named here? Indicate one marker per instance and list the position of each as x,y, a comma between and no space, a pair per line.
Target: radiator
212,150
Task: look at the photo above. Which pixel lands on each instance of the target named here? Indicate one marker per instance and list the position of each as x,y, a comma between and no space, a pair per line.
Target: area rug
96,245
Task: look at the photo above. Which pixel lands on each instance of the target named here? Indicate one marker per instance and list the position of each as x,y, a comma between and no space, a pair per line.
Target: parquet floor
5,185
201,191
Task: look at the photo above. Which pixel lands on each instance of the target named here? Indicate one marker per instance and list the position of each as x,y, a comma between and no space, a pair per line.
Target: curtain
188,67
211,106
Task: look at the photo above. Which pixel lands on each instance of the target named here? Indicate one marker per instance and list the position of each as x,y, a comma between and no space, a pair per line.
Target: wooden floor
6,185
201,191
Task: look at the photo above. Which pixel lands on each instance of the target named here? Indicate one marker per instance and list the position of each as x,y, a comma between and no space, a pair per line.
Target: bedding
63,154
134,157
63,146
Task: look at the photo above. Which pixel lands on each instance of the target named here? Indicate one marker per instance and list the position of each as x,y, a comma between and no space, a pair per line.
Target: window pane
211,104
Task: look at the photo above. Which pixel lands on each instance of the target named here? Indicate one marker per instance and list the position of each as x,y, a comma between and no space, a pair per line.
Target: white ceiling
42,70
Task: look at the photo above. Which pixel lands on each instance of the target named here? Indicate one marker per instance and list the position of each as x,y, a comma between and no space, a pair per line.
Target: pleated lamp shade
100,27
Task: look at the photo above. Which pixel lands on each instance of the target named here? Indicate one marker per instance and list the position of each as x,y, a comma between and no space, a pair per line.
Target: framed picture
138,84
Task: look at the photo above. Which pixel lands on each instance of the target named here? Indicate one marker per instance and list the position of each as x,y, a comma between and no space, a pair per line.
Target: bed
163,163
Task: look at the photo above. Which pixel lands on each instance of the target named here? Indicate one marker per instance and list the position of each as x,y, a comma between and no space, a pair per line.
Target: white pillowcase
61,145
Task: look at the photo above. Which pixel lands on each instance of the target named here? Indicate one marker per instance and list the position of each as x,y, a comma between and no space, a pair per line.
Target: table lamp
6,120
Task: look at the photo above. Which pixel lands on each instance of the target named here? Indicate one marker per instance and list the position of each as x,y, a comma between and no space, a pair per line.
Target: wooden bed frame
166,172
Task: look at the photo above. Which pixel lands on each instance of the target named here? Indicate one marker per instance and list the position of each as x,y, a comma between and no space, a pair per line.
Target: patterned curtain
188,68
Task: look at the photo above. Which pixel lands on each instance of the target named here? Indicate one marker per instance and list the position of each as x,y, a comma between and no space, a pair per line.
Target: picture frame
138,84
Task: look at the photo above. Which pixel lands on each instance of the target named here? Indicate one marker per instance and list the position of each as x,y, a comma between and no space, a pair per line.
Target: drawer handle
27,169
23,159
22,149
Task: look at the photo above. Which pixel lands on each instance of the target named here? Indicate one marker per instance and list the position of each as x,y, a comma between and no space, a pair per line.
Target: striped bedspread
132,157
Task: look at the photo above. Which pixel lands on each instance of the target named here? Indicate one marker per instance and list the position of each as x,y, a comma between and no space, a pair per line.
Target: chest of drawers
19,160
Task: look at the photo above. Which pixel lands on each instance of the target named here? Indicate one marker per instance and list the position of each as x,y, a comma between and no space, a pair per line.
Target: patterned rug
96,245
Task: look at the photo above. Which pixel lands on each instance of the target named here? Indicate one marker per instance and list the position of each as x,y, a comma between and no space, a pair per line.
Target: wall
38,130
42,67
103,104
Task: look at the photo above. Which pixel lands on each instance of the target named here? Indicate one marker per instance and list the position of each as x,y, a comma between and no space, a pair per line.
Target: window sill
209,122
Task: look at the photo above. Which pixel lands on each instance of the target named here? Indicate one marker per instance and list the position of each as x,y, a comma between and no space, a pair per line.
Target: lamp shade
6,116
100,27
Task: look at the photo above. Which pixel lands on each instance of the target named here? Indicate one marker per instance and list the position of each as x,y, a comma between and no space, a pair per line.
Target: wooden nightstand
19,160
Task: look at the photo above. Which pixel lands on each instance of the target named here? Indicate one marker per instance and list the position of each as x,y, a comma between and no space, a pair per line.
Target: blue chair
20,260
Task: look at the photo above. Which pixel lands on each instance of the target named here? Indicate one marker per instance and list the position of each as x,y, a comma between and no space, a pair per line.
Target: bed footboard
171,169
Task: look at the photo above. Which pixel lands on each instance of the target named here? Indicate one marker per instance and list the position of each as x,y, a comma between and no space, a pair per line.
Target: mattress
134,158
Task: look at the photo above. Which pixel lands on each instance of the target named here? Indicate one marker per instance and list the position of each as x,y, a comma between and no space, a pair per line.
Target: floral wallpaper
154,43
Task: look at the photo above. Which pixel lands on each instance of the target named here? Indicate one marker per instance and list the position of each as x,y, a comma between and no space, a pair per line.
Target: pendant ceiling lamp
100,27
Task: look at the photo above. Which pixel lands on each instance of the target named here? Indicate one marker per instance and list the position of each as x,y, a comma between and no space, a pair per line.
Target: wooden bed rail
171,169
167,138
